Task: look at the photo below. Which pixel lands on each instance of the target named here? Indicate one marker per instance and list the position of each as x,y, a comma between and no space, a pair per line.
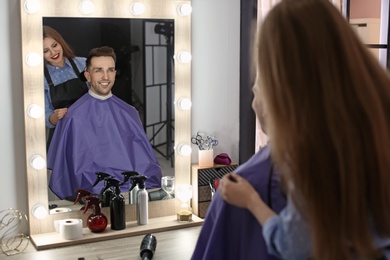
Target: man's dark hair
99,52
103,51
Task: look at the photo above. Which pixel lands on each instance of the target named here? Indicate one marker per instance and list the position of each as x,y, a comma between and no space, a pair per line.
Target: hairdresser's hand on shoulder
57,115
237,191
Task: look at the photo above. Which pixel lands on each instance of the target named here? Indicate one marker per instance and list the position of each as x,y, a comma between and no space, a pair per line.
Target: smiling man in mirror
100,133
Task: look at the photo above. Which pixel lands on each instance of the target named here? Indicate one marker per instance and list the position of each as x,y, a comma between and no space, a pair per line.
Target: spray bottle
117,206
133,188
106,192
81,194
97,221
142,199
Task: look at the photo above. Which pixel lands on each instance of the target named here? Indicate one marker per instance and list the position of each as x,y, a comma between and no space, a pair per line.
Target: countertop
171,245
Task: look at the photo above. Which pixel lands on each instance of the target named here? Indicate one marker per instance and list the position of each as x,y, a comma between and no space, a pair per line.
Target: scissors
198,140
210,142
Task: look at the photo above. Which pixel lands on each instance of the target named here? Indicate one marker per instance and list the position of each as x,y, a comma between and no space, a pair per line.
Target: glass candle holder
184,194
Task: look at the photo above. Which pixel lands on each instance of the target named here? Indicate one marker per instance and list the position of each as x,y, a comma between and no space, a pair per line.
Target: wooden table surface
171,245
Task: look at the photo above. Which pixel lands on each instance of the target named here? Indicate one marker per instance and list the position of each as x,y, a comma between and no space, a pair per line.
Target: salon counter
171,245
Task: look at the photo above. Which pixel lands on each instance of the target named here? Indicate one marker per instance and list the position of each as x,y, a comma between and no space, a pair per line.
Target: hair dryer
148,246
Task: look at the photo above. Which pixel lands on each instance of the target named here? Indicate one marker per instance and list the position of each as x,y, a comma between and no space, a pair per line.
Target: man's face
101,75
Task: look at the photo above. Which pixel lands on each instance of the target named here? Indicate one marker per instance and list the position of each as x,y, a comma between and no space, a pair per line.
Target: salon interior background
215,88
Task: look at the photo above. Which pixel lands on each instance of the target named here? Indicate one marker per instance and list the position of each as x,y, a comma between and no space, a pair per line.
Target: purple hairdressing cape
99,135
233,233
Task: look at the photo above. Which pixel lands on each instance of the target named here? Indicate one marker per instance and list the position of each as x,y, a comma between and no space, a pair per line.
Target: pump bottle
133,187
117,206
97,221
142,200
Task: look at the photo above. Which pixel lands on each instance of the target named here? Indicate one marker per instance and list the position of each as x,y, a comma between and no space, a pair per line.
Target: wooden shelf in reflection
53,239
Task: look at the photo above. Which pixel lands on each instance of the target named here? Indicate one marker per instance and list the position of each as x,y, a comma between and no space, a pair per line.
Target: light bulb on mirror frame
37,162
184,103
184,149
184,194
35,111
184,57
184,9
32,6
39,211
86,7
33,59
137,8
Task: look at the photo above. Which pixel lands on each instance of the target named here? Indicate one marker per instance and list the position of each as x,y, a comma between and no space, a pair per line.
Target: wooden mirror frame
33,81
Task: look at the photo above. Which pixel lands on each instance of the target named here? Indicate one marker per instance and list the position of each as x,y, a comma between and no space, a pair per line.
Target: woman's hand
239,192
58,115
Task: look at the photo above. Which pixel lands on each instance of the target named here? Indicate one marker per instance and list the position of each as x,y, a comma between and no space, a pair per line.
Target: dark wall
247,116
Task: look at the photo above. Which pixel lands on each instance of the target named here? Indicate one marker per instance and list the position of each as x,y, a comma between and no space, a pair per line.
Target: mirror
143,64
32,14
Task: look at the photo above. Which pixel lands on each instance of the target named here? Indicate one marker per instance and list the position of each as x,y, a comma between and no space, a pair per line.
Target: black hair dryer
148,246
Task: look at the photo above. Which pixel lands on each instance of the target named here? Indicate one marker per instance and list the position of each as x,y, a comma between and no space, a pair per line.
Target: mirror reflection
32,14
143,80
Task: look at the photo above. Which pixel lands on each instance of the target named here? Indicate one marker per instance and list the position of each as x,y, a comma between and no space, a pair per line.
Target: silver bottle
133,195
142,206
142,199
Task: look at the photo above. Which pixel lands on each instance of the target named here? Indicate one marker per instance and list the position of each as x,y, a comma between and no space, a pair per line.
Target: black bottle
117,206
106,193
133,188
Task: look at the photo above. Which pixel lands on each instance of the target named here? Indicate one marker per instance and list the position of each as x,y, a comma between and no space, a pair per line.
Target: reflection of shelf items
200,182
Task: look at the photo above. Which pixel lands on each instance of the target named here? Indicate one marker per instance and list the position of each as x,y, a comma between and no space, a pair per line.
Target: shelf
200,177
53,240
